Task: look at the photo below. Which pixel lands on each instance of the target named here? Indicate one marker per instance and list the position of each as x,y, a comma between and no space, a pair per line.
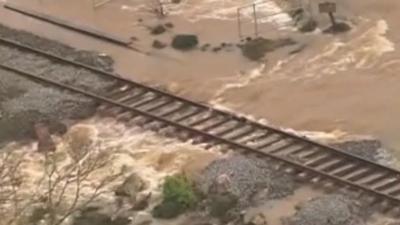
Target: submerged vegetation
178,196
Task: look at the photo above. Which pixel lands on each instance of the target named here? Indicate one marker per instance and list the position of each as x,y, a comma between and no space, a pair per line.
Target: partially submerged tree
64,187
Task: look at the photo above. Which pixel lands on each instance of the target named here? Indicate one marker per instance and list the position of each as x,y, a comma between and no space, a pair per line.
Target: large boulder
132,185
185,41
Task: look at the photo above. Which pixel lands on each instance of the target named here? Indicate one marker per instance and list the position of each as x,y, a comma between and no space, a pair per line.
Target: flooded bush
185,42
159,29
255,49
178,197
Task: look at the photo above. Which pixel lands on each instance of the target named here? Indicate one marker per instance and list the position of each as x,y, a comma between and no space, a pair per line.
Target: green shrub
178,196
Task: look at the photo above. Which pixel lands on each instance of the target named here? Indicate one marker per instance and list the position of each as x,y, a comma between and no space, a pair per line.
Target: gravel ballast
334,209
24,102
57,48
248,176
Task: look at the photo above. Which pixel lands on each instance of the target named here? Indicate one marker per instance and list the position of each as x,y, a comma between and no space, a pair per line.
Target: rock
45,142
307,25
221,185
169,25
216,49
205,47
261,196
142,201
255,49
158,44
93,216
168,210
37,214
185,41
142,218
131,186
331,209
258,219
176,1
221,204
159,29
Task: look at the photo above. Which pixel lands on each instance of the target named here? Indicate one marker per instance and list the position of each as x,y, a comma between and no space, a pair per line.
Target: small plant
178,196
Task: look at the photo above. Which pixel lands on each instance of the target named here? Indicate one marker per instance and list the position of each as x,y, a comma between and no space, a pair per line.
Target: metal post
239,23
255,20
332,18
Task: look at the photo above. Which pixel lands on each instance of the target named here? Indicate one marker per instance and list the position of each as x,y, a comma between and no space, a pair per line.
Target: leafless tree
65,187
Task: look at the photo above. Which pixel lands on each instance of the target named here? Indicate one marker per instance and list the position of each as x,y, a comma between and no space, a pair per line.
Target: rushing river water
344,83
340,84
127,150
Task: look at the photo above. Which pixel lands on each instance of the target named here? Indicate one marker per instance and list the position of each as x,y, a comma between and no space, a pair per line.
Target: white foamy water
241,80
128,150
362,51
320,136
194,10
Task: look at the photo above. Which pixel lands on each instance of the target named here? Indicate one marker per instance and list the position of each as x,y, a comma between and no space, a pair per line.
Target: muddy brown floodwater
345,82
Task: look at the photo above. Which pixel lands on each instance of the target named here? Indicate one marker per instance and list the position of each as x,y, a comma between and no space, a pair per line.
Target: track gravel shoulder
23,102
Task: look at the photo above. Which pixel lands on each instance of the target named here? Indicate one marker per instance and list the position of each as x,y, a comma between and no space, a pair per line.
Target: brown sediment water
346,82
275,211
127,150
342,82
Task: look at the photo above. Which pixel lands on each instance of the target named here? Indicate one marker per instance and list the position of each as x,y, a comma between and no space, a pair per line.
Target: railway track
164,112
